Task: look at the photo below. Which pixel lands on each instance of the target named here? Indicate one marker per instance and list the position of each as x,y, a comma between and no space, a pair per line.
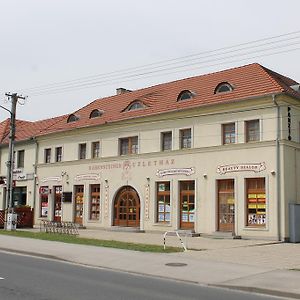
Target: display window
44,203
79,190
187,204
163,202
256,202
94,202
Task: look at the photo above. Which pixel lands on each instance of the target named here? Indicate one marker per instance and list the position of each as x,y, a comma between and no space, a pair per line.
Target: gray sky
52,41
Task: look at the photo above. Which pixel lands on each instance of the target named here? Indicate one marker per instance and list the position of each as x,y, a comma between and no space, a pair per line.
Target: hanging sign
245,167
175,171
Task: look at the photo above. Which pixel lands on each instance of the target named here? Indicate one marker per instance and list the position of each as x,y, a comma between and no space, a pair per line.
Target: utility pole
10,163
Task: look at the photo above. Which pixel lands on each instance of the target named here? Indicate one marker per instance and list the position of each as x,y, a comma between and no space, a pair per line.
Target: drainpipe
35,174
278,187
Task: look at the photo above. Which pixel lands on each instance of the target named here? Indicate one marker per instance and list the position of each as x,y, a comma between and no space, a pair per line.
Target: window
72,118
228,133
187,204
252,131
185,136
256,202
47,156
185,95
44,192
58,154
21,156
95,149
96,113
223,87
82,151
163,202
135,105
94,202
129,145
166,141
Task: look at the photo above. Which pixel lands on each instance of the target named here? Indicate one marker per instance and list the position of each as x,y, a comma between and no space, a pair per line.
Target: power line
175,61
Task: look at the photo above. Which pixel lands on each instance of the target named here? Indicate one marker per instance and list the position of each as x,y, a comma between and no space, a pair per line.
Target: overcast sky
53,41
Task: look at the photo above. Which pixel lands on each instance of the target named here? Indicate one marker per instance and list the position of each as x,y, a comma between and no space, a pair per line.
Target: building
212,153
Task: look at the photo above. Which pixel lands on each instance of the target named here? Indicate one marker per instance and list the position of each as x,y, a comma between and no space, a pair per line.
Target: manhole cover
176,264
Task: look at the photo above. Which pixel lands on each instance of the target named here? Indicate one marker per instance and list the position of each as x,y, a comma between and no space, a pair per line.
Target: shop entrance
57,203
127,208
79,189
187,204
226,209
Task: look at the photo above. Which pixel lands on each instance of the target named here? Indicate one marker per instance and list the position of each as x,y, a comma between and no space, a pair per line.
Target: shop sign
20,176
82,177
246,167
44,190
54,178
175,171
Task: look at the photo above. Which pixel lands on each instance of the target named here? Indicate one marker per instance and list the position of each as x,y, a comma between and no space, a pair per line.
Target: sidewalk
262,266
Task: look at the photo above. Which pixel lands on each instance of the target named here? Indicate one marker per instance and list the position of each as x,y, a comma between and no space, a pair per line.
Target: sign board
91,176
66,197
44,190
175,171
243,167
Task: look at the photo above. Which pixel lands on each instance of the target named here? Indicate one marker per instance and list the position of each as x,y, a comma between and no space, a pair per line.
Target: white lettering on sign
54,178
177,171
87,177
246,167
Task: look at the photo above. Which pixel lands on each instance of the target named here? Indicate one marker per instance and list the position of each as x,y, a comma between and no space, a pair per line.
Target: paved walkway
263,266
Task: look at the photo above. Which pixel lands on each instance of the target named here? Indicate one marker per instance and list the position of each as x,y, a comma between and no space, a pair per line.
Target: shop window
128,145
252,131
44,192
94,202
166,141
95,149
58,154
21,157
47,158
185,136
82,151
229,134
163,202
19,196
256,202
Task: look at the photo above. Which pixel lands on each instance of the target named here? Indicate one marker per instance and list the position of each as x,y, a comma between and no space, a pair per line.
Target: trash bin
11,223
294,219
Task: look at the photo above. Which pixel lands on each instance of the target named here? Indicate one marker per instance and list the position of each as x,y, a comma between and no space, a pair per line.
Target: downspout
278,186
35,179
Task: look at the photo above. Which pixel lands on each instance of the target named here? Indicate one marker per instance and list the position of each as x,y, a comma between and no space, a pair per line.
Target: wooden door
79,190
57,203
226,207
127,208
187,204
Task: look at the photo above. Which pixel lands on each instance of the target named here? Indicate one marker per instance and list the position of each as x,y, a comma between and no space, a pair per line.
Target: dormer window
72,118
135,106
185,95
96,113
223,87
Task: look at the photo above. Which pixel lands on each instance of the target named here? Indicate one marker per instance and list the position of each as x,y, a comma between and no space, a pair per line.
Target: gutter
278,187
35,171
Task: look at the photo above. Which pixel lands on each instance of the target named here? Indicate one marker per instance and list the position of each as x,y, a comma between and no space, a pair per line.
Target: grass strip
91,242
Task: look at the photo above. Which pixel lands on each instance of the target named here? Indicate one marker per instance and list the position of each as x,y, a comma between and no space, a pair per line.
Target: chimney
122,91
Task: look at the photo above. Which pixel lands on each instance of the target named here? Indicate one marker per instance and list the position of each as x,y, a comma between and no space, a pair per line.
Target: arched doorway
127,208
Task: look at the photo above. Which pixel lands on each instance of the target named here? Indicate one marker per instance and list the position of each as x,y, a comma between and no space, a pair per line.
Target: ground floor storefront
191,192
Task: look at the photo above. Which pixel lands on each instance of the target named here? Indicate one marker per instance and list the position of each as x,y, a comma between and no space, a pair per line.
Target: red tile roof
248,81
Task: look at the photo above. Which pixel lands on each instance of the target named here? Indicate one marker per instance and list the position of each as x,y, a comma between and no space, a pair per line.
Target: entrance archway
127,208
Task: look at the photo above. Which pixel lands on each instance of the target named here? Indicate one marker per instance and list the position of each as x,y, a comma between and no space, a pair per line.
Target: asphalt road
32,278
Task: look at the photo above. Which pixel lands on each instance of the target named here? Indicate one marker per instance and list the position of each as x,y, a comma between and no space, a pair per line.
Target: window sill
162,224
256,228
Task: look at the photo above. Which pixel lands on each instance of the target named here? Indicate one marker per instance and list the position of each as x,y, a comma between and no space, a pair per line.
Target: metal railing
69,228
175,232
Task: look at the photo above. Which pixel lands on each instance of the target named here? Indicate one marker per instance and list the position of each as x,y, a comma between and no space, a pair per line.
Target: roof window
185,95
223,87
135,106
72,118
96,113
